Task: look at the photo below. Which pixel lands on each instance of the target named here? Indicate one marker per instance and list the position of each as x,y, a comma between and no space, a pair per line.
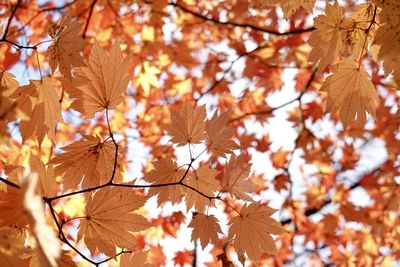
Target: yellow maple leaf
350,92
203,180
147,77
109,221
327,39
40,102
219,135
165,171
101,83
89,159
205,228
251,231
64,50
188,125
235,180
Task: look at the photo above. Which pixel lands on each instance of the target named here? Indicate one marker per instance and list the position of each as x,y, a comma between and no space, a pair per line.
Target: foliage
127,124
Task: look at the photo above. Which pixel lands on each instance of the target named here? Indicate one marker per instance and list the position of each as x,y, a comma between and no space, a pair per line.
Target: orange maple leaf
109,220
251,231
40,102
101,83
64,51
165,171
219,135
187,125
350,92
89,159
205,228
203,179
235,180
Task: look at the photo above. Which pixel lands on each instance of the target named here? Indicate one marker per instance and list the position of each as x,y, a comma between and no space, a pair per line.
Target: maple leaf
147,77
8,86
89,159
101,83
204,181
235,180
350,92
188,125
109,220
48,186
12,207
327,39
64,50
12,244
165,171
389,49
219,135
290,7
40,102
206,228
138,258
251,231
48,248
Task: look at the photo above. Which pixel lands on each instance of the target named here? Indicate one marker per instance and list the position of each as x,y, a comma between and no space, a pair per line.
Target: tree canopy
199,133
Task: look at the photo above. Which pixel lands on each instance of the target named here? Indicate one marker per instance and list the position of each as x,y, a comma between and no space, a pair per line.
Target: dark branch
238,24
89,17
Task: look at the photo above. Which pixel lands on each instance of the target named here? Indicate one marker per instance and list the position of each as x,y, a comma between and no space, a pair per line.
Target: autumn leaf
251,231
290,7
138,258
8,86
219,135
12,208
206,228
89,159
147,77
350,92
188,125
101,83
203,180
40,102
47,186
235,180
327,39
12,245
48,247
67,43
165,171
109,220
